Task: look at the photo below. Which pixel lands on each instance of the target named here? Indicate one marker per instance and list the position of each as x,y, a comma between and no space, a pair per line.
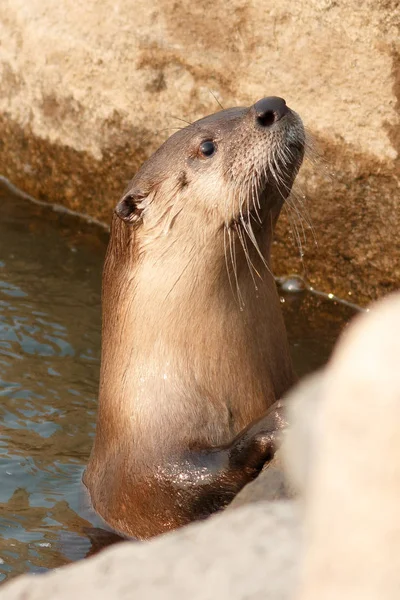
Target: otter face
232,169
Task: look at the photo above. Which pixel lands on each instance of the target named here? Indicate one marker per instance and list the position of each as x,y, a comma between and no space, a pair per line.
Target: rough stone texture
89,89
250,553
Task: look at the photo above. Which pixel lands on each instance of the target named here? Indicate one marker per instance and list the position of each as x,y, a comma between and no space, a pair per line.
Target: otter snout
270,110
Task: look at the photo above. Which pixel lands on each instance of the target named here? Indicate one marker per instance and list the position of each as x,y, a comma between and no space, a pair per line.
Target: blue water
50,278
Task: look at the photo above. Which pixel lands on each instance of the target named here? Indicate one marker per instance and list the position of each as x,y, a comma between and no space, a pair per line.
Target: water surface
50,277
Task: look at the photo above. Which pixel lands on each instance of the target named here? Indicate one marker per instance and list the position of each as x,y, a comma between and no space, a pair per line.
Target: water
50,277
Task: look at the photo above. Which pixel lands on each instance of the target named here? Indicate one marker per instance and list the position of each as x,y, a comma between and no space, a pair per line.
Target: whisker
226,261
179,119
253,240
294,228
295,209
180,276
304,214
250,264
169,129
234,264
216,99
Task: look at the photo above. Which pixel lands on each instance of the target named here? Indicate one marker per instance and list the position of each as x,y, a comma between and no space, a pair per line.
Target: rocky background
90,89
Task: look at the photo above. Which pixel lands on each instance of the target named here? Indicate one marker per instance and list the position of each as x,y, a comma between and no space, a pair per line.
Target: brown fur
194,344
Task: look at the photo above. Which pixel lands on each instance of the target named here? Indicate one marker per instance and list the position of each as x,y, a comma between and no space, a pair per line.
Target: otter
195,356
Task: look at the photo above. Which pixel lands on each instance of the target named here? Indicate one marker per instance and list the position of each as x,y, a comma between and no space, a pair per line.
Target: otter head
220,181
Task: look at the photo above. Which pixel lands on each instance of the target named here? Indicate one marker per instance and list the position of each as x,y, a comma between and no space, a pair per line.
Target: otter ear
131,206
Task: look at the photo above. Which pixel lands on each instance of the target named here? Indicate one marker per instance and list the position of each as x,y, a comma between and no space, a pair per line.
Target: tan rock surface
352,490
90,89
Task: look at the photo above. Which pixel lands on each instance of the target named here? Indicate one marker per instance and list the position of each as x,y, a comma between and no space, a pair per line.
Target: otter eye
207,148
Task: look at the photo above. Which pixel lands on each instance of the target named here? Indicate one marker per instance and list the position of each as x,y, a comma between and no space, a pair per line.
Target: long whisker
234,264
216,99
169,129
253,240
226,262
250,264
180,276
295,230
179,119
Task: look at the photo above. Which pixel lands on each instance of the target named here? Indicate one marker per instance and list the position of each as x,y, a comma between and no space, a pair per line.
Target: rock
352,490
91,88
250,552
302,441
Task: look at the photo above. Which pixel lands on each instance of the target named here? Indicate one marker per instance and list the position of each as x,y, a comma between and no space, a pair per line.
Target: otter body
194,348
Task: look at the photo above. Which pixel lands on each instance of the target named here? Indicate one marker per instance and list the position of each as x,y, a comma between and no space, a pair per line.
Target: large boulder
90,89
351,466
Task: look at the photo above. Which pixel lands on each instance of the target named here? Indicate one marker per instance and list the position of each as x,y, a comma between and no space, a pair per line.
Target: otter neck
174,335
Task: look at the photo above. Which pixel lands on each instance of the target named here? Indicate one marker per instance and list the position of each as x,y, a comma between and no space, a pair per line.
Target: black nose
270,110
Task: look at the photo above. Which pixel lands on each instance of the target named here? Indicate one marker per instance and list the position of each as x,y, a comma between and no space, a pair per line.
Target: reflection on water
50,276
50,273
